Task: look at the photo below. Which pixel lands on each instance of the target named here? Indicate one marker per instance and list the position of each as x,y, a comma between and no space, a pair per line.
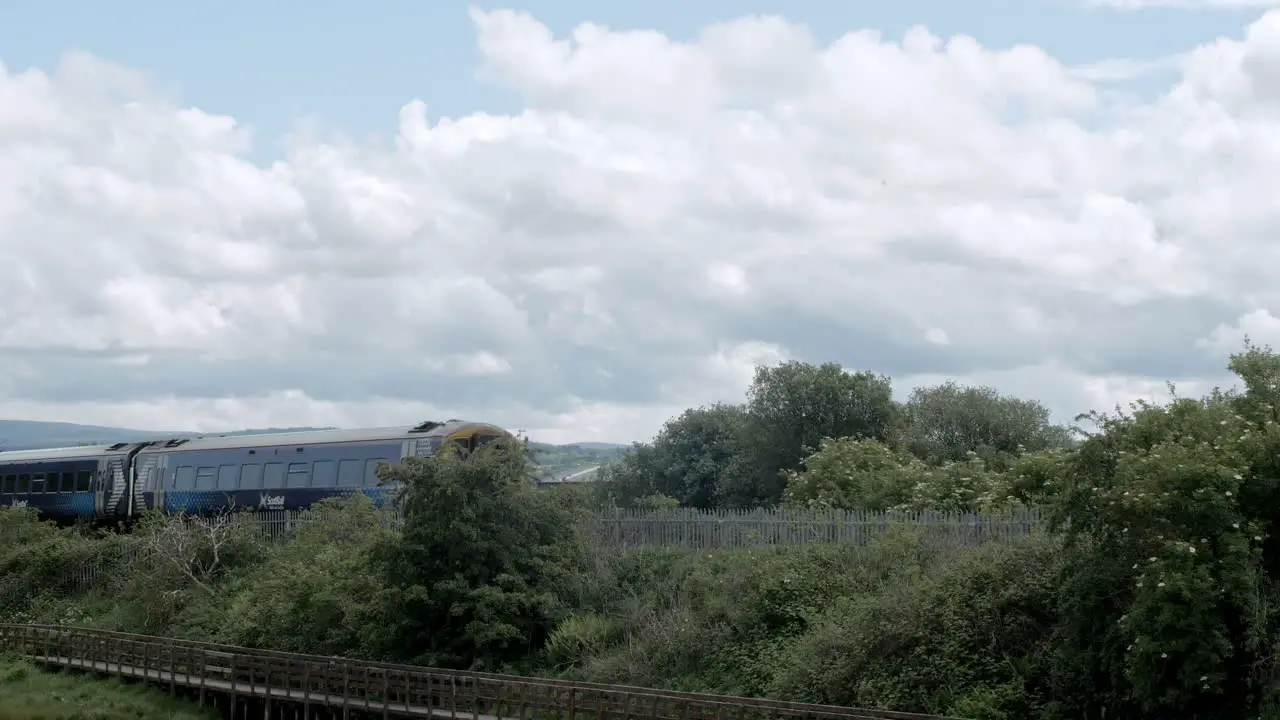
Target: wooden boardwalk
206,685
248,682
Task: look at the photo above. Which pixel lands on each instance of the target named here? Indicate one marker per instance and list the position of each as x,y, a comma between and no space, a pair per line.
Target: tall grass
28,693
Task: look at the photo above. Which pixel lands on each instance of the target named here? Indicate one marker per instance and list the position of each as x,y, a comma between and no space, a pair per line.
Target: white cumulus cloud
662,215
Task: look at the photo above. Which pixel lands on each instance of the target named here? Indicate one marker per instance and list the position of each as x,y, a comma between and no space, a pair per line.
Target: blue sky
351,65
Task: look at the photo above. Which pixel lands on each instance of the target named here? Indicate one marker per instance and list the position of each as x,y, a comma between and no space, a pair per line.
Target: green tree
791,408
688,459
473,579
851,473
694,452
946,422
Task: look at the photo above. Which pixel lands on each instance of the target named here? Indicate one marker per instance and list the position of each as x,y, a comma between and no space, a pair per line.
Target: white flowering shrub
1169,512
853,473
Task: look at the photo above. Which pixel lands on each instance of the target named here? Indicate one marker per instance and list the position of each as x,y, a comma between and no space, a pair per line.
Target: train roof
315,437
233,442
62,453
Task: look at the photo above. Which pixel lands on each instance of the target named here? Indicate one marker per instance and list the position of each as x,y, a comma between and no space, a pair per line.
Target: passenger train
278,471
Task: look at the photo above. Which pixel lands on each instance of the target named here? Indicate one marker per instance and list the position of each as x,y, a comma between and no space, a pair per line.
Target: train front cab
473,435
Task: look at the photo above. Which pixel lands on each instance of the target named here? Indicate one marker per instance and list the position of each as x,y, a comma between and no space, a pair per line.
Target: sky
577,220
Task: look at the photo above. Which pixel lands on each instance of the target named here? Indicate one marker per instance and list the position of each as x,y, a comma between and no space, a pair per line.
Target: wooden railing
262,677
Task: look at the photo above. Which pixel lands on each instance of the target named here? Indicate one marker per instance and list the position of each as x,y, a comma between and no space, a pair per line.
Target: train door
146,484
158,465
100,488
113,486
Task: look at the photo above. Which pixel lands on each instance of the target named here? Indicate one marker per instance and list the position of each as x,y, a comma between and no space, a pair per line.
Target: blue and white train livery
278,471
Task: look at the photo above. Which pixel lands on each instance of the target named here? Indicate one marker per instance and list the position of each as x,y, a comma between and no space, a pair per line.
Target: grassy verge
28,693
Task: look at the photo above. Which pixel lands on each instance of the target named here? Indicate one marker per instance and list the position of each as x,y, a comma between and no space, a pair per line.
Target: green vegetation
819,436
27,693
1153,594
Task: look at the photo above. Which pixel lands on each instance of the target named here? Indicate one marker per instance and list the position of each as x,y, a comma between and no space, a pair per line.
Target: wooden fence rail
264,683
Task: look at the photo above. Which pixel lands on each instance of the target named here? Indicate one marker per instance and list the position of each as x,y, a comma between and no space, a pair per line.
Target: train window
68,482
205,478
350,473
7,484
371,472
84,481
485,439
37,483
52,482
251,477
184,478
228,476
463,444
299,475
273,476
324,473
24,482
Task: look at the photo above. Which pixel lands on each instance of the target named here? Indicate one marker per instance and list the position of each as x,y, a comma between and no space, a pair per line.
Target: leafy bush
476,576
853,473
721,621
175,572
40,561
312,595
579,636
865,474
1169,514
970,637
959,486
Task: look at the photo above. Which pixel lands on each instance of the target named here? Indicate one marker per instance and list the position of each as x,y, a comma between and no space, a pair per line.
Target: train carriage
278,471
63,483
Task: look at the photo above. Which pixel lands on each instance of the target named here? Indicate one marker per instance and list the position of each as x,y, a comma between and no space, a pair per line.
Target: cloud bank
660,217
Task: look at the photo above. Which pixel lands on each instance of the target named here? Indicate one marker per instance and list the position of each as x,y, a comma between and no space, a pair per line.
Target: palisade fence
731,529
694,529
683,528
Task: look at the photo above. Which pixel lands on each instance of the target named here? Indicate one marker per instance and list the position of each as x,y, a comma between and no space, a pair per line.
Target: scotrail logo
18,504
271,502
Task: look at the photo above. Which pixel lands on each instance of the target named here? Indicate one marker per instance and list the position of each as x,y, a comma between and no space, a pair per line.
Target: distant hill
32,435
555,461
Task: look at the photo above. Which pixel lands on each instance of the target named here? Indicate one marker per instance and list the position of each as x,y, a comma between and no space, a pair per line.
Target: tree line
819,435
